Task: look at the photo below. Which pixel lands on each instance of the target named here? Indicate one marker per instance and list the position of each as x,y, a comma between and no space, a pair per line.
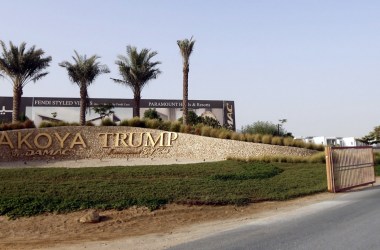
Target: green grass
26,192
377,164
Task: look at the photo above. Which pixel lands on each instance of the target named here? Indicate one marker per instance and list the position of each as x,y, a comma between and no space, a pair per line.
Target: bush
377,158
277,141
124,123
198,129
136,122
185,129
90,123
46,124
288,141
235,136
4,127
165,125
243,137
175,126
29,124
152,123
315,158
224,134
208,121
192,118
152,114
17,125
264,128
108,122
267,139
250,137
299,144
258,138
205,131
215,132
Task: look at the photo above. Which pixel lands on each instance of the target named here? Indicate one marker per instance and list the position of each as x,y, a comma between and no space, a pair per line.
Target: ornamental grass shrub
152,123
17,125
235,136
124,123
187,129
136,122
257,138
48,124
288,141
205,131
175,126
198,128
276,140
315,158
215,132
299,144
165,125
224,135
266,139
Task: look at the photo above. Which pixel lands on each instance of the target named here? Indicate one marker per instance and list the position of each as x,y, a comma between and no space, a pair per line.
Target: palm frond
22,66
186,47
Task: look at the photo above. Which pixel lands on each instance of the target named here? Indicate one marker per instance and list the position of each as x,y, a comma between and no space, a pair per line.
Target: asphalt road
351,221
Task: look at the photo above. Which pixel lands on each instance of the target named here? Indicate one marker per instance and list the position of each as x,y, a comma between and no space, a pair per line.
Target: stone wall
126,142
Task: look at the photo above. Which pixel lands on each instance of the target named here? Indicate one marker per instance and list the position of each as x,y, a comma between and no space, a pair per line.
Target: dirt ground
64,231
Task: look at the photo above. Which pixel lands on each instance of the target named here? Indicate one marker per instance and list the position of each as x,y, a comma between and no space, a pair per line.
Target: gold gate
349,167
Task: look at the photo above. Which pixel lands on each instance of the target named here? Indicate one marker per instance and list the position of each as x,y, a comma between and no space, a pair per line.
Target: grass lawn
26,192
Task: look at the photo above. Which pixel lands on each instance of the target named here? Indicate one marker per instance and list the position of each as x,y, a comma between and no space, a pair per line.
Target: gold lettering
48,152
61,140
154,142
131,140
38,145
21,140
105,142
4,135
171,137
120,138
78,140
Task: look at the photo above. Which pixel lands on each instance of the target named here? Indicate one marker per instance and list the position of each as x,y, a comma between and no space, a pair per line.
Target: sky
315,63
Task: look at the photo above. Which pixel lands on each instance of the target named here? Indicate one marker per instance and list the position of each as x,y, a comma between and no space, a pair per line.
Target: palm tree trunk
17,93
136,108
83,104
185,99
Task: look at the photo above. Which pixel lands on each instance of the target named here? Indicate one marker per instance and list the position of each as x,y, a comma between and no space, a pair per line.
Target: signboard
65,109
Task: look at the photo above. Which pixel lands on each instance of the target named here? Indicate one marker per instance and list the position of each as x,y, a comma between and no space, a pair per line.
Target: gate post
329,170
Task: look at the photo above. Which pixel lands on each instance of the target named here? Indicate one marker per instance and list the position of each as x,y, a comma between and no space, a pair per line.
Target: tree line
21,66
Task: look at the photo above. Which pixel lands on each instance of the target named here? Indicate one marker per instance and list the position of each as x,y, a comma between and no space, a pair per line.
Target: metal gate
349,167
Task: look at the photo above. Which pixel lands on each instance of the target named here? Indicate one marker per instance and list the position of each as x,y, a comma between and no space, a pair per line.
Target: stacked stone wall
70,143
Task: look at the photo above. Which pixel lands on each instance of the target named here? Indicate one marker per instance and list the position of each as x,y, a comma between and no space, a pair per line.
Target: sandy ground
134,228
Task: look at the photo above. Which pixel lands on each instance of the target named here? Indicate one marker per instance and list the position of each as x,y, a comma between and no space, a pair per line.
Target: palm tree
83,72
22,66
136,70
186,48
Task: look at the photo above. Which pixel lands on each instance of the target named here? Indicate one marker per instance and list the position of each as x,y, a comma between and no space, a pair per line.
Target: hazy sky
315,63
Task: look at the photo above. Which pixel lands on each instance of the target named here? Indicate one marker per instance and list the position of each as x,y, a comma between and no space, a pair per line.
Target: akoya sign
87,142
